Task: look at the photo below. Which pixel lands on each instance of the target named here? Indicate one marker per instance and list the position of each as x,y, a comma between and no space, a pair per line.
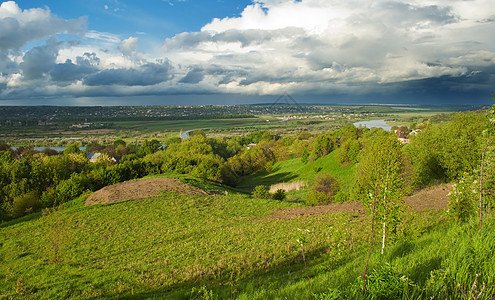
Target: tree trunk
383,239
371,242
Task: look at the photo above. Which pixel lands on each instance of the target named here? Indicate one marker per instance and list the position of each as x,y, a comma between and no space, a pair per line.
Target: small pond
374,123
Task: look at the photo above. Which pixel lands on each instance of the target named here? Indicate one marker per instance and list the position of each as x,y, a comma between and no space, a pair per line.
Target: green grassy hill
220,247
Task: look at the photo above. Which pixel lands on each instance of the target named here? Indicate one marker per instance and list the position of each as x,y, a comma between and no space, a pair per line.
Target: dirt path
432,198
139,189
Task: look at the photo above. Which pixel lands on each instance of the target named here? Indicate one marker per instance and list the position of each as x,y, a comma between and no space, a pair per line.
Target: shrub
315,198
25,204
462,198
261,192
324,190
279,195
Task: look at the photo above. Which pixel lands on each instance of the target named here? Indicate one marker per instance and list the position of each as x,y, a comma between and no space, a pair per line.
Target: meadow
221,247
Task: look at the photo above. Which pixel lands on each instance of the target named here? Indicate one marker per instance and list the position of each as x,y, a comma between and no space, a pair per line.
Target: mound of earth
432,198
139,189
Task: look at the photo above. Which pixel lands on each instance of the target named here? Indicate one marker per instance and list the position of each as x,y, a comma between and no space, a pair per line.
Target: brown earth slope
139,189
431,198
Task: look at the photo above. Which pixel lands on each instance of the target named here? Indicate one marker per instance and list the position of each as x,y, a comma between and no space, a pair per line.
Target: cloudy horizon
320,51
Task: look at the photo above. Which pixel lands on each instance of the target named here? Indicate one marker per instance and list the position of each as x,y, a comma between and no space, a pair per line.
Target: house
93,157
415,131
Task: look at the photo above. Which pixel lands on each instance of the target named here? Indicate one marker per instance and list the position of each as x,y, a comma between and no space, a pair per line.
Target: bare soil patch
429,198
139,189
310,211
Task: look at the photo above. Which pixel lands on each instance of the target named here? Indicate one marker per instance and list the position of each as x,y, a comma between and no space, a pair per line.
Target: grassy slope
179,247
166,245
295,170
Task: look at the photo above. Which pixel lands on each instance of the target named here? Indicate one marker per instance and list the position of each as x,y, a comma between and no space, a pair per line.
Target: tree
72,148
324,144
379,184
447,151
279,195
149,147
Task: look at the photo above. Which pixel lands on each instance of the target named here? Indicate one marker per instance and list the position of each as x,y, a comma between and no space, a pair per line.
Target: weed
56,234
202,293
20,289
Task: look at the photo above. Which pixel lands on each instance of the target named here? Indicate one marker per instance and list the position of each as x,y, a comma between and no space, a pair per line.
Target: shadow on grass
31,217
248,183
228,286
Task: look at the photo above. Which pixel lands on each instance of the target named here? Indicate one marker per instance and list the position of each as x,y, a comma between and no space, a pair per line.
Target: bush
462,198
324,190
25,204
279,195
261,192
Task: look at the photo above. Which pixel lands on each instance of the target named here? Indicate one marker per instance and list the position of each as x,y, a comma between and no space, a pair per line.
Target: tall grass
288,186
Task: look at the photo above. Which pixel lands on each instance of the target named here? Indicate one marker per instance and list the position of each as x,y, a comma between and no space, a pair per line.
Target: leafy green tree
149,147
462,198
25,204
379,184
305,156
348,152
323,145
119,142
447,151
489,166
279,195
72,148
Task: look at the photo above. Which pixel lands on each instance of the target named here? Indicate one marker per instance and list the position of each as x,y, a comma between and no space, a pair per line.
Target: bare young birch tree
380,180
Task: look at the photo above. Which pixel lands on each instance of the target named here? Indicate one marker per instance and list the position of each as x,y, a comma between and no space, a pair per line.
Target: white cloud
103,36
17,27
337,44
129,45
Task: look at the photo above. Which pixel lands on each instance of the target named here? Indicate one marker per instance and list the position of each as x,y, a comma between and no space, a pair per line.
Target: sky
123,52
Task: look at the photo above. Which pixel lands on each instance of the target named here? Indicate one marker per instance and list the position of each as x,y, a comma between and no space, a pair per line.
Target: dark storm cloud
224,74
196,75
70,72
39,60
148,74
